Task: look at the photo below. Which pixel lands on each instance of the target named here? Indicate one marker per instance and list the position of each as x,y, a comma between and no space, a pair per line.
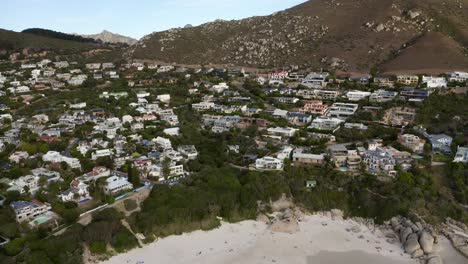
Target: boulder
336,214
404,233
394,222
435,260
263,218
380,27
289,226
426,240
413,14
420,226
415,228
298,214
417,253
356,229
412,244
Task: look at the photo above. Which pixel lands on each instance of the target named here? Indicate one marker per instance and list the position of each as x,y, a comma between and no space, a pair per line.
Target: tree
133,175
166,168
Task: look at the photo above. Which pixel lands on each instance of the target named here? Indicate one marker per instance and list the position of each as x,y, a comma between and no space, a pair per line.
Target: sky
133,18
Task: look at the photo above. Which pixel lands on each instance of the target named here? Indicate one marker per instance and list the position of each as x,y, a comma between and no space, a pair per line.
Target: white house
282,131
165,68
280,113
100,153
127,119
219,88
462,155
163,142
116,184
342,110
18,156
173,131
357,95
78,105
78,190
54,156
174,171
93,66
25,210
189,151
203,106
24,183
269,163
325,123
434,82
458,76
382,96
164,98
315,80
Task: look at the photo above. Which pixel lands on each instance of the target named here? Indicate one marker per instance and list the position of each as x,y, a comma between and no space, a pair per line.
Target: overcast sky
134,18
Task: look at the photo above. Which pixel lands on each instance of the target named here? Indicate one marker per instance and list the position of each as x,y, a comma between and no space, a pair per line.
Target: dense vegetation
14,41
58,35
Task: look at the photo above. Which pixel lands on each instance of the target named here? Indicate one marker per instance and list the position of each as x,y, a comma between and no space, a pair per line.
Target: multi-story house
269,163
325,123
377,161
462,155
415,95
315,107
25,210
157,170
411,80
203,106
458,76
342,110
382,96
434,82
357,95
287,100
346,160
78,191
188,151
440,143
301,158
55,157
400,116
315,80
412,142
116,184
282,131
299,118
50,176
101,153
18,156
28,183
384,82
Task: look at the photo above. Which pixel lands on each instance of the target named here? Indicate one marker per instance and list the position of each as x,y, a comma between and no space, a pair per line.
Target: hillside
354,35
58,35
109,37
14,41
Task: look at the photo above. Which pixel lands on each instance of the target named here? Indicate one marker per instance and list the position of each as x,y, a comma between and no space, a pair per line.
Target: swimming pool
39,220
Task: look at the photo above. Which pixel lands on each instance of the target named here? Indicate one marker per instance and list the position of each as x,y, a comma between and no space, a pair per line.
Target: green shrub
98,247
130,205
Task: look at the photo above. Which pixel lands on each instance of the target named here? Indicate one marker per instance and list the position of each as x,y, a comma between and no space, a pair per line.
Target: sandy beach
320,240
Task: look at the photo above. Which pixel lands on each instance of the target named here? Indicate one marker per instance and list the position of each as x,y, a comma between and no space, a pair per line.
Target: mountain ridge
360,35
109,37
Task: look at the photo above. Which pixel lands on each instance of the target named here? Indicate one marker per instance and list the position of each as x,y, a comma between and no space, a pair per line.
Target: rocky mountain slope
353,35
109,37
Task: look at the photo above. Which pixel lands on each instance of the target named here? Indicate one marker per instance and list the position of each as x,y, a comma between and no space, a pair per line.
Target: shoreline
320,238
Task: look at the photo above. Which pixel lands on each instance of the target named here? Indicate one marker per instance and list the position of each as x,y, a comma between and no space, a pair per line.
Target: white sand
252,242
448,253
